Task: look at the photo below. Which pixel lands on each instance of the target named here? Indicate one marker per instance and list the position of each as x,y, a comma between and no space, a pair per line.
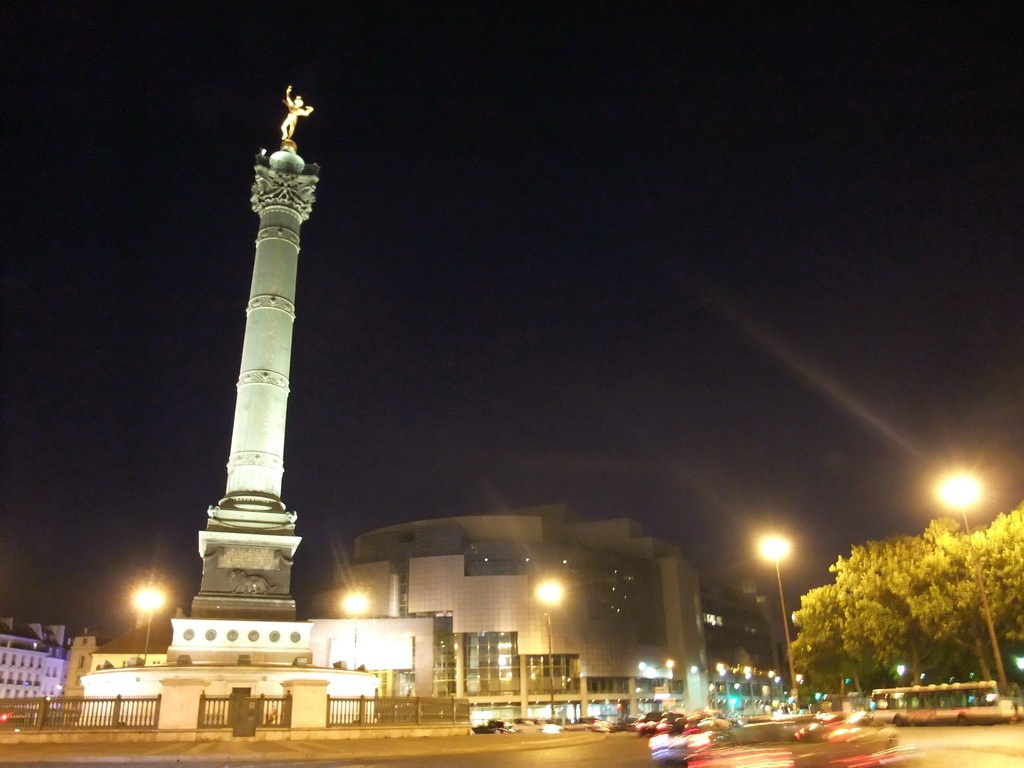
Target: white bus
948,704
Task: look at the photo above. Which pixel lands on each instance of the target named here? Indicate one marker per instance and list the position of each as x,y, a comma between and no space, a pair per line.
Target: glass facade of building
491,664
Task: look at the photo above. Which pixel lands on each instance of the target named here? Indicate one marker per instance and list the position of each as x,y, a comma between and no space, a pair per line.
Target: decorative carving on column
264,377
271,302
255,459
291,191
278,233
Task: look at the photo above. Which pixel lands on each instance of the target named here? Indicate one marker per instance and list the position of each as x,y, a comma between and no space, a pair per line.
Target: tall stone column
248,545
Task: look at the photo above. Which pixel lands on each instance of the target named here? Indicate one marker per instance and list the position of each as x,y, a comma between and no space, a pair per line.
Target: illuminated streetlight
148,600
355,605
775,548
960,491
550,593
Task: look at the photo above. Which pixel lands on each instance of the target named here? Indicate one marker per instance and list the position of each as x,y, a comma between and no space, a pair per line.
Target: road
988,746
980,747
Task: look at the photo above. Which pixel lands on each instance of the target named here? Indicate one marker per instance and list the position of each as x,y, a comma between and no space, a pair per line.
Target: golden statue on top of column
296,109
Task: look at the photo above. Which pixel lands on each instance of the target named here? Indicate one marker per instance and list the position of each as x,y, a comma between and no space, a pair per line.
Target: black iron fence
393,710
241,713
75,712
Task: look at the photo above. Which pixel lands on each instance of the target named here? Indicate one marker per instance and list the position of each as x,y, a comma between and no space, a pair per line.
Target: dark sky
720,267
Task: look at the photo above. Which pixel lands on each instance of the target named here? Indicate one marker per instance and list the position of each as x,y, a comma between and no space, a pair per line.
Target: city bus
948,704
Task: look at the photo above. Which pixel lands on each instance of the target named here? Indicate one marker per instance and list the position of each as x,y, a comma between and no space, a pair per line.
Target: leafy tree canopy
914,601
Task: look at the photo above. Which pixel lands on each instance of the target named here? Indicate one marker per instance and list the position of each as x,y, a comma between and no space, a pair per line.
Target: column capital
280,190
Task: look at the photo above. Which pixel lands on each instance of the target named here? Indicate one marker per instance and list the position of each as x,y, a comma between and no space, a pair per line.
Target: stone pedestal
309,702
179,703
246,575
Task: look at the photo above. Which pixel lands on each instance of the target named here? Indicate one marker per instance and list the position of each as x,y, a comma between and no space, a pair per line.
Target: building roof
160,635
50,634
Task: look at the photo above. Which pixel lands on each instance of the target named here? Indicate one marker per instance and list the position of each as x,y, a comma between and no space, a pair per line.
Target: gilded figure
296,109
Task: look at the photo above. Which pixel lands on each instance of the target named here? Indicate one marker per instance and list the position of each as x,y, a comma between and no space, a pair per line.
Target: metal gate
243,713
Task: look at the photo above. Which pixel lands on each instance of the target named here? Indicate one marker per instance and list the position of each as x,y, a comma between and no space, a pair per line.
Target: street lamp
960,491
148,600
355,605
775,548
550,593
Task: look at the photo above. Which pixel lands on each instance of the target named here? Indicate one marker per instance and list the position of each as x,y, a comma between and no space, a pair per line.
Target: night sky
719,267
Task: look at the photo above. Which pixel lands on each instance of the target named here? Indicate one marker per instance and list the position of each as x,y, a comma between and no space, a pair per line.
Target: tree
819,649
948,605
1001,552
913,600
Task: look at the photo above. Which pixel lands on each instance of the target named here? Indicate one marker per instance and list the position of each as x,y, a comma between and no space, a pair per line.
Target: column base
245,576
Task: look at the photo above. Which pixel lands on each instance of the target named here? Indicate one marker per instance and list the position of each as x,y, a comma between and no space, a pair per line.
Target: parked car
493,726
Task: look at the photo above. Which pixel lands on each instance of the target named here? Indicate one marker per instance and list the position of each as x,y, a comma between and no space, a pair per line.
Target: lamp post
148,600
775,548
355,605
960,491
550,593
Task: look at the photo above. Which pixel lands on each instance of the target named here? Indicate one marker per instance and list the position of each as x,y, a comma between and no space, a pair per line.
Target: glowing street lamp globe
774,548
148,599
960,491
550,592
356,604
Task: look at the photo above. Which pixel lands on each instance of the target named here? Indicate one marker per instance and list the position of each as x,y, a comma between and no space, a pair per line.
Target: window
608,685
563,672
444,657
492,663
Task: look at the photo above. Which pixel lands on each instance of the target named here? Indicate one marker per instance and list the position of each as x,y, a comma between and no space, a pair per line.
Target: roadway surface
979,747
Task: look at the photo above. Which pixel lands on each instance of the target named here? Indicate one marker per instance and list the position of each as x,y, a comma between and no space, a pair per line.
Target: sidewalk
255,751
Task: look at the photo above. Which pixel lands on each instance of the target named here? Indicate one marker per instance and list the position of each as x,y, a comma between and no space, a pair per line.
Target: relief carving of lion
249,583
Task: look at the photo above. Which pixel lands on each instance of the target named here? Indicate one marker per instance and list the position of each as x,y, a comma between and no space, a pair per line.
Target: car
686,736
674,722
535,725
493,726
622,724
14,718
590,724
646,724
799,742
